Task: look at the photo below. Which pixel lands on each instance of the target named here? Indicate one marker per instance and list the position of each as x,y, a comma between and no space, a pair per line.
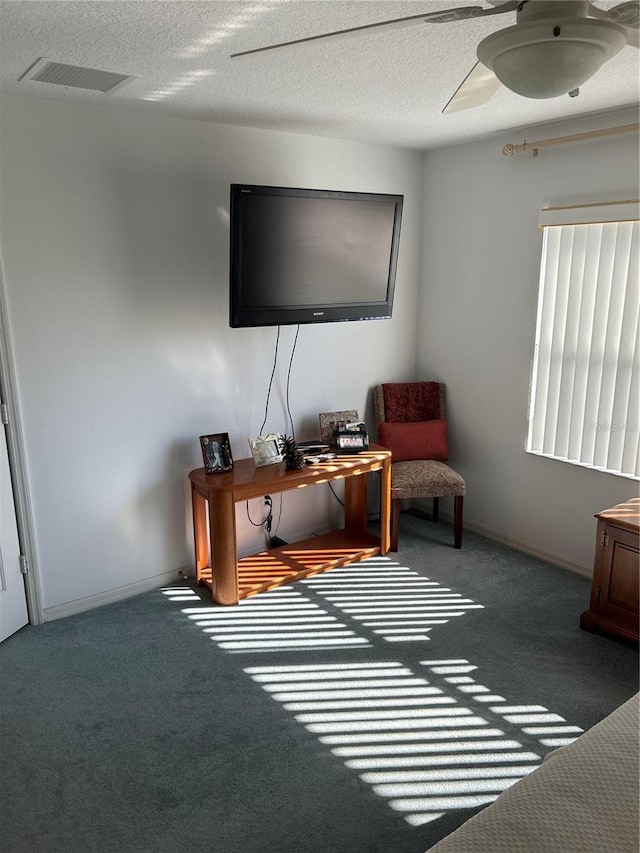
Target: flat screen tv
311,256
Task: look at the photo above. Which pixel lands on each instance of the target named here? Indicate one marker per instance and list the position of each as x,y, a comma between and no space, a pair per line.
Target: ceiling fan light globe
530,60
548,70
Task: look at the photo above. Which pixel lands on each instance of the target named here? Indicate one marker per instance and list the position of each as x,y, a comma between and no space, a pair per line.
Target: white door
13,599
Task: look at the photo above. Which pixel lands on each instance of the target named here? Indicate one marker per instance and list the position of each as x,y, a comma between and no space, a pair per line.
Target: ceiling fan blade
442,17
627,14
476,88
633,37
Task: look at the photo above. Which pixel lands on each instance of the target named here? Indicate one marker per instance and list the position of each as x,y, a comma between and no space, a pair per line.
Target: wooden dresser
613,608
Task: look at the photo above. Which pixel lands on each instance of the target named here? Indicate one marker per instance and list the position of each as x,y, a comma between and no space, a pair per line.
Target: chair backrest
409,402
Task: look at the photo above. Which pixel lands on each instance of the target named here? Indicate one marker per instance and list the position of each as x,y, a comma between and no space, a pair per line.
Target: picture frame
216,452
331,421
352,440
265,449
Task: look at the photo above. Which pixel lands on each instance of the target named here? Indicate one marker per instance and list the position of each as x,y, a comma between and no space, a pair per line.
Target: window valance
588,214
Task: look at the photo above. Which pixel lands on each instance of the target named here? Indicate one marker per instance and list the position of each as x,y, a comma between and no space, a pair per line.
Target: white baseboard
79,605
519,545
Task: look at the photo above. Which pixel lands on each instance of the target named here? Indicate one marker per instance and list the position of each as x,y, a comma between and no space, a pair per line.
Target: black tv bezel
241,317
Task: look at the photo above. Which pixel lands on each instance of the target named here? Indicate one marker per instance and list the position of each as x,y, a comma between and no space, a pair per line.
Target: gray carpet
368,709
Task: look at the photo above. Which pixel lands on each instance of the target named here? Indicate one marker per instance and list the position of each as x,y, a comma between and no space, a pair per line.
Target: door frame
18,464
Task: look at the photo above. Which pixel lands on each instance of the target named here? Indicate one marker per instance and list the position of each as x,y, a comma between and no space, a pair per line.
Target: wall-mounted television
311,256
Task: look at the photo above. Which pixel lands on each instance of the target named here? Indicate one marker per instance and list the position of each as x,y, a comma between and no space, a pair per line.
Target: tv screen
311,256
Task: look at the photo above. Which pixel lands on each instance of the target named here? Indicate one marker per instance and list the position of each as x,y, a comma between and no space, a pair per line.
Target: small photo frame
331,421
354,442
265,449
216,452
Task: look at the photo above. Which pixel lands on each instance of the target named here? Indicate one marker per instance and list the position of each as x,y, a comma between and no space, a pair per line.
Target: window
585,388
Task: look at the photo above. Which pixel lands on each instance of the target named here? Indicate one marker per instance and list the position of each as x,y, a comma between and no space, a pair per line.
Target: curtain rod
510,149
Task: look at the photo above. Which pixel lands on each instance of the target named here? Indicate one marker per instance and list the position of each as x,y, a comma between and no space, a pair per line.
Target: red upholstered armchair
411,422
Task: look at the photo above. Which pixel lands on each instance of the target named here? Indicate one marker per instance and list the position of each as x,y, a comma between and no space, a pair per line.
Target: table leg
355,502
385,506
224,569
200,533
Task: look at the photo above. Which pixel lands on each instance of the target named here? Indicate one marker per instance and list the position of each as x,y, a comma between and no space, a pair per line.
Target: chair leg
395,522
457,520
435,509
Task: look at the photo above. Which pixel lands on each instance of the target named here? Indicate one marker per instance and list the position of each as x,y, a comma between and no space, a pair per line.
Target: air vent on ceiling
63,74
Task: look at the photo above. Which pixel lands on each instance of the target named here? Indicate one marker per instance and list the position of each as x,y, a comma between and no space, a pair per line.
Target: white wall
114,246
481,260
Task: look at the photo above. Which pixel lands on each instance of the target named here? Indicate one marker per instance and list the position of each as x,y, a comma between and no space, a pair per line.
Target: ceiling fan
554,47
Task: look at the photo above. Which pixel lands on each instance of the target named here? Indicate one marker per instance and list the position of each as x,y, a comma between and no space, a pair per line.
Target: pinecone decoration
293,456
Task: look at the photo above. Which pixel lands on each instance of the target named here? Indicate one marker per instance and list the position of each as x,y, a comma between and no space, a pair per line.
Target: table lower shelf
279,566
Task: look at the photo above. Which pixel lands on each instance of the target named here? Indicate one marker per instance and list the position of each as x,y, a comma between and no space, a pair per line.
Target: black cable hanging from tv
273,371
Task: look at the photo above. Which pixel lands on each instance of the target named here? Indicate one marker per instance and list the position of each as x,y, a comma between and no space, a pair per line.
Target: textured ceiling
387,87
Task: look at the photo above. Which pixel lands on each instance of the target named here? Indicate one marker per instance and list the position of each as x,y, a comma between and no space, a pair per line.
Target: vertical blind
585,389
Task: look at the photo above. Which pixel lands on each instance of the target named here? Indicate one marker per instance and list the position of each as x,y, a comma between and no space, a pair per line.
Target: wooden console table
213,500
